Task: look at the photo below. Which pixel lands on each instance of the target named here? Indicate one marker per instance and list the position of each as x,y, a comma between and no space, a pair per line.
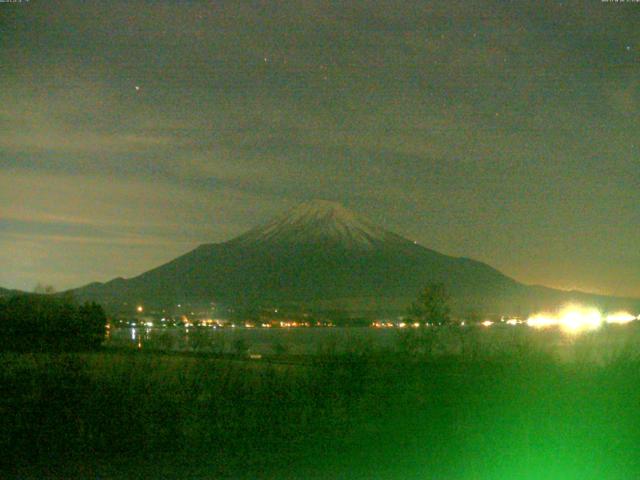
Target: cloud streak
496,131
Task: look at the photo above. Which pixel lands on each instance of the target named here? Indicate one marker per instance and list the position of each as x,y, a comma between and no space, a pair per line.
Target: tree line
50,323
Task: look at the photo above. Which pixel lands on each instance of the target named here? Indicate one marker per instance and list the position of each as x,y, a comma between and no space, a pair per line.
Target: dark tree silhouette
49,323
432,305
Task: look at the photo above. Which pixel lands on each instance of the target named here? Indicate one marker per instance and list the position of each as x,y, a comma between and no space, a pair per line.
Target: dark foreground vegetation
44,323
359,414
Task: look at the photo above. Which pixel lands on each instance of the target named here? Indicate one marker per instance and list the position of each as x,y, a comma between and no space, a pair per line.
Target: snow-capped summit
320,221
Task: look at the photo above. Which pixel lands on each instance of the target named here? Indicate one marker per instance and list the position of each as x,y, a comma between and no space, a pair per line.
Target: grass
357,414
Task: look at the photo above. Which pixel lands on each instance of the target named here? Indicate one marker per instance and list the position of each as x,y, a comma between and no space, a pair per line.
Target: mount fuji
321,255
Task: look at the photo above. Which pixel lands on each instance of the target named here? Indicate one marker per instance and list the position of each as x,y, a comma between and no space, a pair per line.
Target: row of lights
219,324
572,319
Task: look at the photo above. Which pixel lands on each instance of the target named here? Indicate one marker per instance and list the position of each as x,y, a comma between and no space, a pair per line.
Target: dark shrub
46,323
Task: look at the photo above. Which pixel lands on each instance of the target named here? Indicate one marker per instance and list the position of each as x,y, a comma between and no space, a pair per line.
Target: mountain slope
318,253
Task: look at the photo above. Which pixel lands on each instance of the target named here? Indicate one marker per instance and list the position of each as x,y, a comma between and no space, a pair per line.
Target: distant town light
139,309
575,319
541,320
620,317
487,323
571,319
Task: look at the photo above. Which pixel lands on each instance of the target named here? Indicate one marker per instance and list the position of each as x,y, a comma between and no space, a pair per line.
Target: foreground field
356,414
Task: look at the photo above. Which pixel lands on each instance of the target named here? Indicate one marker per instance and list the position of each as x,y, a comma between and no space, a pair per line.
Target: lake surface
601,345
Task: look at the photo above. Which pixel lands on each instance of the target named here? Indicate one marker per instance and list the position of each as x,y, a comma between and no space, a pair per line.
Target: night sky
508,132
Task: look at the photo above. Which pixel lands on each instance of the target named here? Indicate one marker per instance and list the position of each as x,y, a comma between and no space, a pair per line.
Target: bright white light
512,321
620,317
576,319
541,320
487,323
571,319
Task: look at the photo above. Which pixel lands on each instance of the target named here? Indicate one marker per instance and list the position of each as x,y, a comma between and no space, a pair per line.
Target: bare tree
41,288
